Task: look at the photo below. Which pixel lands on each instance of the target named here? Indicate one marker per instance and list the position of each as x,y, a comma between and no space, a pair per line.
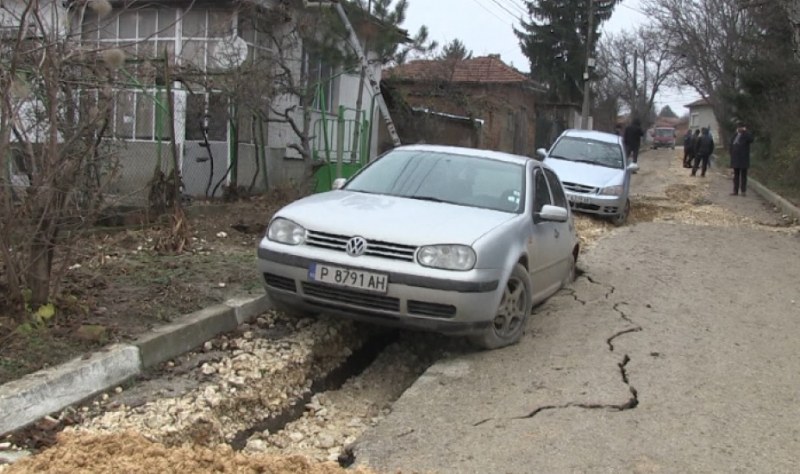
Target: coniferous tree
455,50
554,40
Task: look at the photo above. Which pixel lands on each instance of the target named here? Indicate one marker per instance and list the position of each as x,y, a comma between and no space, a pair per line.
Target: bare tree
642,62
708,39
56,166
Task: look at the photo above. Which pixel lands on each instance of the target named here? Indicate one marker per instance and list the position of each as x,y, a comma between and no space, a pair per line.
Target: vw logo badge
356,246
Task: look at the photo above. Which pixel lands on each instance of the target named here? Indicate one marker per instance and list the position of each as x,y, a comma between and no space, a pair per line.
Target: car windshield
444,177
586,150
665,132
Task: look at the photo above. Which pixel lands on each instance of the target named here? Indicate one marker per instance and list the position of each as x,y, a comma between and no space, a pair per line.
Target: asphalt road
677,350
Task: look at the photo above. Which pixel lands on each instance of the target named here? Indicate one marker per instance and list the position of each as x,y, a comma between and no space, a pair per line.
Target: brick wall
506,109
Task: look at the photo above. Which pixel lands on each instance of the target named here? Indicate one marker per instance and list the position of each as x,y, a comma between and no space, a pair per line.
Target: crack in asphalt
633,401
635,328
571,292
630,404
611,288
610,340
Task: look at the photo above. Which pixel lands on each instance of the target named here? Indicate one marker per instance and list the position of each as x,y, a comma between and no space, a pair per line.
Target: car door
543,244
566,230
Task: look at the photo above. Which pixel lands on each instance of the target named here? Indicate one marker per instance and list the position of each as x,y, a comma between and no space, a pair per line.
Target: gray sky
485,27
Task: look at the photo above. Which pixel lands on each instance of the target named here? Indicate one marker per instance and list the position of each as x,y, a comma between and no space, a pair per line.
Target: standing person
688,149
703,149
740,158
633,139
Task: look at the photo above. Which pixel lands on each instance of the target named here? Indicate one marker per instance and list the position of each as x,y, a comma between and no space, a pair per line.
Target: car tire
512,313
572,273
621,218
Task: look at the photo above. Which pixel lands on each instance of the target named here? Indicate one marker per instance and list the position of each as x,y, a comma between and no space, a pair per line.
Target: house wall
279,136
703,116
508,110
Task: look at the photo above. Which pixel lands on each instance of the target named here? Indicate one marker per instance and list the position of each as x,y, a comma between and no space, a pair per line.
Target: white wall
704,118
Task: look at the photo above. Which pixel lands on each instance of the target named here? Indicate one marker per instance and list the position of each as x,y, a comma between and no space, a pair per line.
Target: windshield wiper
428,198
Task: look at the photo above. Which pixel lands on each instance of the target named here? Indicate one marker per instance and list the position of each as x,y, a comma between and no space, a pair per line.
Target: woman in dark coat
740,158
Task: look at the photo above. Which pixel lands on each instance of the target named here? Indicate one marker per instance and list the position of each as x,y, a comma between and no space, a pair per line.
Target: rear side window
559,199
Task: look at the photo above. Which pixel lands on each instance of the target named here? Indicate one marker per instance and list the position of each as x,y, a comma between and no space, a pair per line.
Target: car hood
393,219
584,173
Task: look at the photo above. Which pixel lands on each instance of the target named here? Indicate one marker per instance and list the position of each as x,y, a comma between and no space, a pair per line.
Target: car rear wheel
511,315
622,217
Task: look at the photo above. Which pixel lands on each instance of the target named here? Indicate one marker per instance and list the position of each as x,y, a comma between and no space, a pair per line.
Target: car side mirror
541,152
552,213
338,183
633,167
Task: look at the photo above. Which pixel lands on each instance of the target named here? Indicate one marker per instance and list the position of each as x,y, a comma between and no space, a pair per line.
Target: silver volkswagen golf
454,240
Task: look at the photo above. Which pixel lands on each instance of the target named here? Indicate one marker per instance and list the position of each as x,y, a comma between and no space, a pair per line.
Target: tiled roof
482,69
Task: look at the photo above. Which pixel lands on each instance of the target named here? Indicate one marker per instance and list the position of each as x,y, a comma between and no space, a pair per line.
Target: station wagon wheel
512,312
622,217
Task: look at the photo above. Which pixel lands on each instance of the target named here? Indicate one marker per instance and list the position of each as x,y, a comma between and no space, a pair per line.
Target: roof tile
481,69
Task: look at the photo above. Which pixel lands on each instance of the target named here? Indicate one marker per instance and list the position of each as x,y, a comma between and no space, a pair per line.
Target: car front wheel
622,217
511,315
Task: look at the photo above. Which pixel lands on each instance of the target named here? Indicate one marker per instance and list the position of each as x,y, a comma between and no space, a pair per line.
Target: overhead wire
490,11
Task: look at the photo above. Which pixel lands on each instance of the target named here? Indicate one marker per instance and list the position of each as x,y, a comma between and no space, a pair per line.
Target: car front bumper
596,203
448,302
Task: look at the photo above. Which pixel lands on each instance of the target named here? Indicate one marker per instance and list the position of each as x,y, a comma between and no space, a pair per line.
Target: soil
117,285
132,453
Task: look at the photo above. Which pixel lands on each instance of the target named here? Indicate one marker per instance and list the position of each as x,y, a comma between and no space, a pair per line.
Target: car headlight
286,232
447,257
612,190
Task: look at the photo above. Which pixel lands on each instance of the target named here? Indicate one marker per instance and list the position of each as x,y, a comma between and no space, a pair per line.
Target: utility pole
587,67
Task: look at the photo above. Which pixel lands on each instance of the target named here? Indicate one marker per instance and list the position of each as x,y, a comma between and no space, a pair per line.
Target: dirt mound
132,453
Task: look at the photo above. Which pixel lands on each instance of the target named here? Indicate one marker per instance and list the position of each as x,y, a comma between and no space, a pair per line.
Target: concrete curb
38,394
780,202
34,396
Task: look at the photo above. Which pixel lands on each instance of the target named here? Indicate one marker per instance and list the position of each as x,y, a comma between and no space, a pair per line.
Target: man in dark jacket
632,139
688,149
740,158
703,148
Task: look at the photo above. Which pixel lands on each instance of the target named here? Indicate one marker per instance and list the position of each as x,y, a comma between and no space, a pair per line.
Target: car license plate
579,198
348,277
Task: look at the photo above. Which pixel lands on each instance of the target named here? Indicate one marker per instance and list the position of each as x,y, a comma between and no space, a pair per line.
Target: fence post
339,142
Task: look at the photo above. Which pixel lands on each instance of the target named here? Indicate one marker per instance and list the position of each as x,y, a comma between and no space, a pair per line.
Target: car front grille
280,282
375,248
352,297
579,188
435,310
581,206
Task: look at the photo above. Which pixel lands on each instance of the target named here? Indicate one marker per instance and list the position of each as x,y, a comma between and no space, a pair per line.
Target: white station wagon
454,240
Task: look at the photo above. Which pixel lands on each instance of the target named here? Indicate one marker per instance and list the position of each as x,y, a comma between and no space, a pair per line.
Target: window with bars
322,81
260,46
145,33
135,114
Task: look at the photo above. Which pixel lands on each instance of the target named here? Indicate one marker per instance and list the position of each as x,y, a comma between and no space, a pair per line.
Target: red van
664,137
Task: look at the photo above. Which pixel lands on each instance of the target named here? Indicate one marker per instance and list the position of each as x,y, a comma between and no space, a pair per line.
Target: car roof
592,135
476,152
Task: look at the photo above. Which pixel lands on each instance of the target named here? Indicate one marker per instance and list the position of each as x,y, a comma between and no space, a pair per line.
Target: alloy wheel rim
510,313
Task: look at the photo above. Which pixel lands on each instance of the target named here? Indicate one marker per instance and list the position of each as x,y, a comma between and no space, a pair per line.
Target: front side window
559,199
541,196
